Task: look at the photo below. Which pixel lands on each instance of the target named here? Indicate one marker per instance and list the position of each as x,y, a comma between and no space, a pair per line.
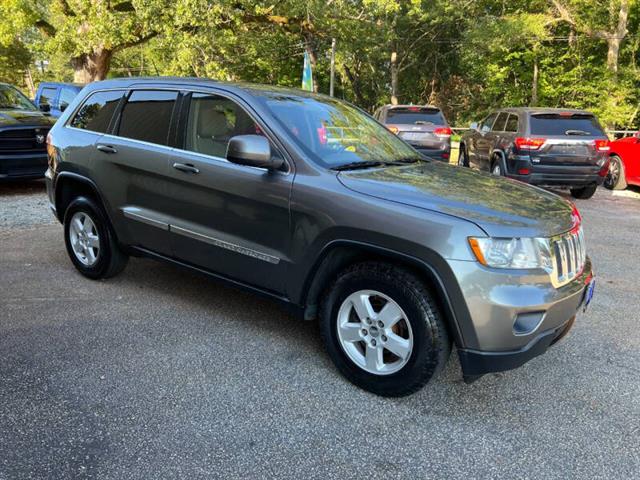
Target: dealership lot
162,373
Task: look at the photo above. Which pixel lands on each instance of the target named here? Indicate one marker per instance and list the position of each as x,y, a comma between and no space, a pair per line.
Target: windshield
412,115
556,124
334,133
11,98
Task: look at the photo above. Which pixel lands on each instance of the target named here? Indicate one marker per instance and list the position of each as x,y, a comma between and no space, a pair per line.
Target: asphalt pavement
161,373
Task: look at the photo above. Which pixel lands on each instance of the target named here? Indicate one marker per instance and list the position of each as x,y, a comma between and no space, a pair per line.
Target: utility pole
333,66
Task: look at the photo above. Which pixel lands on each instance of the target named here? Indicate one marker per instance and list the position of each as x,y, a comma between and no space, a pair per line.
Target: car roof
60,84
541,110
389,107
247,87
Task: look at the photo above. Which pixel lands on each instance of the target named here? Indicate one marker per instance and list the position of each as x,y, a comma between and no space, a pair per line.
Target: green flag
307,75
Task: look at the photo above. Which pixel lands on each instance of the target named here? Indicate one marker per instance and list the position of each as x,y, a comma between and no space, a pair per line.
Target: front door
227,218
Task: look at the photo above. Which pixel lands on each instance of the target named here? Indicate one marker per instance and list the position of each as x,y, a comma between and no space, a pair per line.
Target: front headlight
528,253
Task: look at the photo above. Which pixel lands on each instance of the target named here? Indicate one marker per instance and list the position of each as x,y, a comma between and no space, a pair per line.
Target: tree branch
45,28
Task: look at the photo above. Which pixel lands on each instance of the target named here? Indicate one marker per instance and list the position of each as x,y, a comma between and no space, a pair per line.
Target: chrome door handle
107,149
186,168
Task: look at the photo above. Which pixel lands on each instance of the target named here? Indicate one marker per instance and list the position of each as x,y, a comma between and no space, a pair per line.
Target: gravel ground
162,373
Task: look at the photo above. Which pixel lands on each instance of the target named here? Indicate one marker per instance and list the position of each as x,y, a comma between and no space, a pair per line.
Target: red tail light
602,145
442,131
524,171
526,143
393,129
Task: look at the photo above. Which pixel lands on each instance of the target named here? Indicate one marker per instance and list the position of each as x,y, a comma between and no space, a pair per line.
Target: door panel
228,218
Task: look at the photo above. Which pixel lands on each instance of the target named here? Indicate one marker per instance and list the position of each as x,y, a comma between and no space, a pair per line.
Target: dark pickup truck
23,135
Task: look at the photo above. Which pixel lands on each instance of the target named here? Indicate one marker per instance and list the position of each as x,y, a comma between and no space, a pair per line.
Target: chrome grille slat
569,256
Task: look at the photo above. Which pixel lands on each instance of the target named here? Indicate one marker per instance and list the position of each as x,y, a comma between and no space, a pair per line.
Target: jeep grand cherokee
310,201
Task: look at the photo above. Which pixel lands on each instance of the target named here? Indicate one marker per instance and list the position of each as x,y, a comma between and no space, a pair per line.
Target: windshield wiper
576,132
356,165
404,161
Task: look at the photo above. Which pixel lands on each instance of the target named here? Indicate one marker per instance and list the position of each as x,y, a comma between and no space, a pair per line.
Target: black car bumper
436,154
23,166
571,180
477,363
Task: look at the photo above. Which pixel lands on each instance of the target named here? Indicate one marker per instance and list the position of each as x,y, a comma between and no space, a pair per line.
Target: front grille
23,140
568,255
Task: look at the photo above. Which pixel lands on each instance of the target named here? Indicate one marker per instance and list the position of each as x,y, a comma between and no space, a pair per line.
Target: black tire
110,259
497,168
431,344
616,178
463,161
584,193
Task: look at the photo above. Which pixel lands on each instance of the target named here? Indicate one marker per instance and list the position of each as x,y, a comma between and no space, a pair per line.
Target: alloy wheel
374,332
84,238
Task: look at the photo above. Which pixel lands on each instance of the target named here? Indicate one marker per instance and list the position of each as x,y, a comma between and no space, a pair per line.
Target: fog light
527,323
523,171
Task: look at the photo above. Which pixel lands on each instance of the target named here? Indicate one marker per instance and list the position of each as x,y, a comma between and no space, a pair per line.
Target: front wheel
383,330
584,193
615,179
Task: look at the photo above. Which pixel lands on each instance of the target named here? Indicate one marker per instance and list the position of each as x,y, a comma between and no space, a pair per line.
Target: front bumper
498,300
23,166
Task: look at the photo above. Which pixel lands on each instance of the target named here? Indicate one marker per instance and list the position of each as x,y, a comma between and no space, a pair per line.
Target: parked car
540,146
23,131
55,97
423,127
624,165
308,200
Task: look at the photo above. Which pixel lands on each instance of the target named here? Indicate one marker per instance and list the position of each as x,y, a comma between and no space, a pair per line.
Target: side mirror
252,150
474,126
45,107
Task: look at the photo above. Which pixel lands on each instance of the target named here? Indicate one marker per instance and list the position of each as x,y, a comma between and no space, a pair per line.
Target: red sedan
624,167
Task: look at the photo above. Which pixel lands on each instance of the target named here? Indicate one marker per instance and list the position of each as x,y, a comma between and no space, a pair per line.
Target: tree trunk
614,41
91,67
394,78
534,84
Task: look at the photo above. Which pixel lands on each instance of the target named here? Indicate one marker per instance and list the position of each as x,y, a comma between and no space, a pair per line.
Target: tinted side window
512,123
66,97
96,112
488,122
501,121
212,121
147,116
47,96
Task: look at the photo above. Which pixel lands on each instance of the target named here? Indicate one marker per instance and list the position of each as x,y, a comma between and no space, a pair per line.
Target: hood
500,206
27,118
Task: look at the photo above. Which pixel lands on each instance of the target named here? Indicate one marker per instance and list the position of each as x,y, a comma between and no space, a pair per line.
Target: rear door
572,143
132,166
49,96
422,127
228,218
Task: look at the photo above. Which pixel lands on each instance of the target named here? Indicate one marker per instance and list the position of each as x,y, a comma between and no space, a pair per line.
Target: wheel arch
339,254
70,185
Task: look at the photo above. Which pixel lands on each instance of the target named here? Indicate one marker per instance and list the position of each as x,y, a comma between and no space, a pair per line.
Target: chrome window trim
182,88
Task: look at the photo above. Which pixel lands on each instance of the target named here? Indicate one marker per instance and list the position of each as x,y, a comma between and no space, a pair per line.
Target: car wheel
90,242
615,179
496,168
584,193
383,330
463,161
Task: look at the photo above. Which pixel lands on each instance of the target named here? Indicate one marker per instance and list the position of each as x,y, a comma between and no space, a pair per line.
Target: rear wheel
497,169
584,193
382,329
615,179
90,242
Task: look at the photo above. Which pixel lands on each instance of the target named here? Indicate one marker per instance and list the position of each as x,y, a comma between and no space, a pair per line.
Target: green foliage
467,56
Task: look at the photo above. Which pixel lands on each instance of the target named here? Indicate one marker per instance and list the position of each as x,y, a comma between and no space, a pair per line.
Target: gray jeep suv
308,200
540,146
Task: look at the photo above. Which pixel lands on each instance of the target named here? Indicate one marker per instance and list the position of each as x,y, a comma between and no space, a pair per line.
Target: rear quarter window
96,112
557,124
415,115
